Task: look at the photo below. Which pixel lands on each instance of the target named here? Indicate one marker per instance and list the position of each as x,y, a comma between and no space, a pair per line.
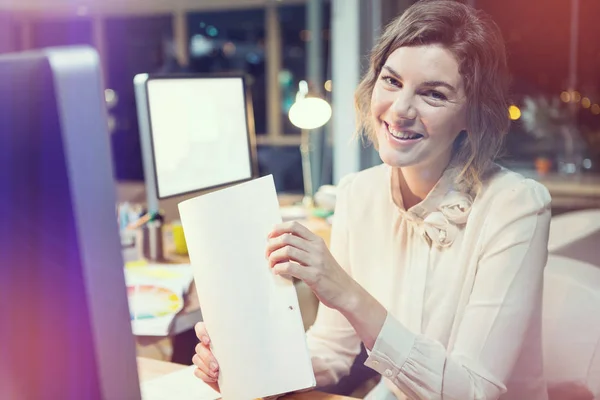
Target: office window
134,45
232,41
588,77
294,40
538,58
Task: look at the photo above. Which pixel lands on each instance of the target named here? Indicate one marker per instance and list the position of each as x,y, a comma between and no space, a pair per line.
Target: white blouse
461,279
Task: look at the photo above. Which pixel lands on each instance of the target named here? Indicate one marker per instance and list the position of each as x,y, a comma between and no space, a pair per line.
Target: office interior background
553,56
554,64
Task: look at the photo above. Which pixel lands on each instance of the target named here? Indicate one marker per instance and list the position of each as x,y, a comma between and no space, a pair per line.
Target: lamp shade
310,113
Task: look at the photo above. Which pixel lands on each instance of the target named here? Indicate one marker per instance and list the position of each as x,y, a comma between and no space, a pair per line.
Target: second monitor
196,131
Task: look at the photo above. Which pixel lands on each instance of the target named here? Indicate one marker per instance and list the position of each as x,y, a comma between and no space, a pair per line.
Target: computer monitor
65,330
196,133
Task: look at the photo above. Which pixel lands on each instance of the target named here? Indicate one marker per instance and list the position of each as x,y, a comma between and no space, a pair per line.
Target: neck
415,182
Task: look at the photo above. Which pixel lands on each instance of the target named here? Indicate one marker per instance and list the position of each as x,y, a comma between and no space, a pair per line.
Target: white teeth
402,135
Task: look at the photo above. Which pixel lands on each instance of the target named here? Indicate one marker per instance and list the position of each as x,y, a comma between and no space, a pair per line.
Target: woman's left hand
292,249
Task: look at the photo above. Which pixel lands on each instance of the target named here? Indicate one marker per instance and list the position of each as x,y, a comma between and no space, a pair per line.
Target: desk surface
150,369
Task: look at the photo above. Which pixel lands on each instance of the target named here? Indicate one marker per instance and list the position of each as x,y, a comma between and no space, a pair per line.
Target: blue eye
434,94
391,81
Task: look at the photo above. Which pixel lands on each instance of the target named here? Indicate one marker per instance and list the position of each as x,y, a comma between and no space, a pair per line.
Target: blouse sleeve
506,295
332,341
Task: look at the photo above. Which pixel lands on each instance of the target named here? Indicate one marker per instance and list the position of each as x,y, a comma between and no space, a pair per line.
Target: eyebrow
428,83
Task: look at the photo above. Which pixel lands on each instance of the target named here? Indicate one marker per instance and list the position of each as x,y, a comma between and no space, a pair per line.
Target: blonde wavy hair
476,42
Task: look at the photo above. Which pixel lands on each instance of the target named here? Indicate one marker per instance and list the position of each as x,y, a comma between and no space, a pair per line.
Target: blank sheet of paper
180,385
252,316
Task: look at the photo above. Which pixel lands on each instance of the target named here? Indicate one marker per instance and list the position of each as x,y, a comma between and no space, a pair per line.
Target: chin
396,159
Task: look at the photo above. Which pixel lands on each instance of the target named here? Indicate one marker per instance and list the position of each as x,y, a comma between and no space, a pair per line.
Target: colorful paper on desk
156,294
180,385
252,316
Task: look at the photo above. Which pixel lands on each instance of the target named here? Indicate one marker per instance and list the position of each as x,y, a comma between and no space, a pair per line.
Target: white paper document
251,315
180,385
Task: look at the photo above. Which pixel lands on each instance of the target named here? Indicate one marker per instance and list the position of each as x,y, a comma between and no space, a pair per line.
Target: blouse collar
442,213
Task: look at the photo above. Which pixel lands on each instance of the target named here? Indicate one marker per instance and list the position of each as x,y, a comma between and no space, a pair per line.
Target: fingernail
213,366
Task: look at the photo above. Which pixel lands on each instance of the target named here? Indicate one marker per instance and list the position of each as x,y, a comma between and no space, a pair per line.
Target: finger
209,381
290,269
202,366
201,333
207,358
286,240
293,227
202,375
289,253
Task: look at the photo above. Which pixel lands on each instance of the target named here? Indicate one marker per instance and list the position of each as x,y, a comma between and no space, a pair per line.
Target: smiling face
418,107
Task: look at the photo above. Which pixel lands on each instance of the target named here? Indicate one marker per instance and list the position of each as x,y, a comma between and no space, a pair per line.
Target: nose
403,107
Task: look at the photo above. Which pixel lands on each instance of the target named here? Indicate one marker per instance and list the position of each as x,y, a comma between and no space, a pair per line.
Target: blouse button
388,373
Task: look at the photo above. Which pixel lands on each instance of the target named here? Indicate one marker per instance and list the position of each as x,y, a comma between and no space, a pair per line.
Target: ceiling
117,7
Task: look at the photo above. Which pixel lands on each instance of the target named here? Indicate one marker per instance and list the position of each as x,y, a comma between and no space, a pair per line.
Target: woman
437,255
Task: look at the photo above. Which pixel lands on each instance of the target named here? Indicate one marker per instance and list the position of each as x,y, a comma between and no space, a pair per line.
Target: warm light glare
229,49
310,113
565,96
576,97
585,102
514,112
109,95
595,109
328,85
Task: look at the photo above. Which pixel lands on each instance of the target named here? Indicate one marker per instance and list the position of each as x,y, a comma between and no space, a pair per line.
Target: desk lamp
310,111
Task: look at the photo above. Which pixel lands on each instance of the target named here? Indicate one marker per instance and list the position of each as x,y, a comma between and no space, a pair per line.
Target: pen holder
151,241
129,245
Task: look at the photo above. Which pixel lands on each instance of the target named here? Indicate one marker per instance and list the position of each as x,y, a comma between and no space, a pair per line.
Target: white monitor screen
200,133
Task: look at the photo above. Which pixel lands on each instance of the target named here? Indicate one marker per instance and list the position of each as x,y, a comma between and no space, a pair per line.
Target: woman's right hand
206,364
207,367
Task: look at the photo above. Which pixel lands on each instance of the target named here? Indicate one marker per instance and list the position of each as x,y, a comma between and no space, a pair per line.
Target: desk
150,369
